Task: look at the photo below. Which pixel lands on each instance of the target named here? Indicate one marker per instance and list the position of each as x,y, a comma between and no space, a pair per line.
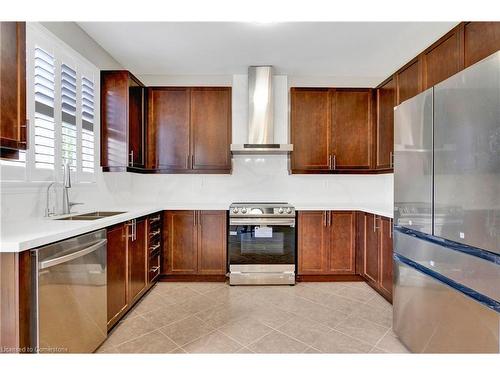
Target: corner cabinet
331,130
189,129
374,252
13,120
122,121
194,243
326,243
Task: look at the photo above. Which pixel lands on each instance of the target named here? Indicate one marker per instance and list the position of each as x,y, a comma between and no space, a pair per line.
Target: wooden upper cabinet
384,145
385,249
116,272
189,129
313,241
481,39
137,259
310,129
181,255
168,128
351,129
13,120
211,128
122,121
409,81
212,240
136,121
342,251
443,59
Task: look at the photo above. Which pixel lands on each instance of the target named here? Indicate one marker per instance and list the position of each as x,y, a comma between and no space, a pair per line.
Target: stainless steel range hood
260,115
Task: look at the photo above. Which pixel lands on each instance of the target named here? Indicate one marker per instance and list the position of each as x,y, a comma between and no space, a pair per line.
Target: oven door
261,241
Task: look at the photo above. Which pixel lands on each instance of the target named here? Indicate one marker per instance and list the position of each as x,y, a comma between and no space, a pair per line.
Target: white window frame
37,35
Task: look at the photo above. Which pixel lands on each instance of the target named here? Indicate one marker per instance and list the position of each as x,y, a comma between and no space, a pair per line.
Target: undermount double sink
93,215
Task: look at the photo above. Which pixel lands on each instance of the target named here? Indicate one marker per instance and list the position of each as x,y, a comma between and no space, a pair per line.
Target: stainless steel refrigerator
447,214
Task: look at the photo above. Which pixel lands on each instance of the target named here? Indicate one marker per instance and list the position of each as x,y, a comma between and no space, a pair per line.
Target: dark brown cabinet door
168,128
341,255
181,248
212,240
371,249
386,101
385,245
408,81
481,39
310,129
442,60
13,121
137,259
313,240
116,271
211,128
351,129
136,124
122,121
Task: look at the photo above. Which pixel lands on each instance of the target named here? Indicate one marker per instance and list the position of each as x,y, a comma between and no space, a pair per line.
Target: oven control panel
283,210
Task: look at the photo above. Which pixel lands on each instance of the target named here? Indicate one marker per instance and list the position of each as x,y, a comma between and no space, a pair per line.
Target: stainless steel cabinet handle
131,158
72,256
324,218
391,160
329,161
329,218
390,227
334,162
192,160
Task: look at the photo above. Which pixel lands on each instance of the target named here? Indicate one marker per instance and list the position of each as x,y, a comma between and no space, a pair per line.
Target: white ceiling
340,49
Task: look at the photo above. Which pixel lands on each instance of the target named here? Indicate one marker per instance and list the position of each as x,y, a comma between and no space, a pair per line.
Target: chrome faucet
48,211
66,204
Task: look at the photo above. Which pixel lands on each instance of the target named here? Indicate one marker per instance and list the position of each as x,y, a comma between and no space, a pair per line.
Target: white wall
81,42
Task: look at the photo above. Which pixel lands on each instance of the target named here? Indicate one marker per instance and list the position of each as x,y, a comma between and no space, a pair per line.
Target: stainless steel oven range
261,243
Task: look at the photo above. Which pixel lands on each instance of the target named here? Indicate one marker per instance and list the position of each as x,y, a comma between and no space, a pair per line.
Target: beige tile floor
347,317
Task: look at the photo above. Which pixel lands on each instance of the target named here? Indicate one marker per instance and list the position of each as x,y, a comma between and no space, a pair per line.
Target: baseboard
192,278
329,278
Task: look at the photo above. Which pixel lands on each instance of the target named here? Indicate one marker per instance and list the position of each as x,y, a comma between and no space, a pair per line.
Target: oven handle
263,221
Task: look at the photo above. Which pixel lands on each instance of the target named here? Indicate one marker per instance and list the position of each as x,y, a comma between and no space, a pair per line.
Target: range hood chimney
260,115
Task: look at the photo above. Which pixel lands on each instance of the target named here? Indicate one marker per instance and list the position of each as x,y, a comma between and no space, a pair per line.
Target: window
88,139
44,126
61,87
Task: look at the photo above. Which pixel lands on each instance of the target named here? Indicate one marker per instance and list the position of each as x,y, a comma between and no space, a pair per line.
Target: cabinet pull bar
324,218
131,158
334,162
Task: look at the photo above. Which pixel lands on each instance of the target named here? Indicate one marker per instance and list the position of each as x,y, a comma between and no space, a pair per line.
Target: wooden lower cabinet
212,239
137,259
375,250
326,243
116,271
195,242
385,245
127,266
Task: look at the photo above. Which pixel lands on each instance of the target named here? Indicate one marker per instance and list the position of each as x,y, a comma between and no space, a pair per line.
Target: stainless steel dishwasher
70,280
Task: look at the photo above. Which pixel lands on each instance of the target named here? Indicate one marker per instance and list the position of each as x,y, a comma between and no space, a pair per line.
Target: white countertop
30,233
